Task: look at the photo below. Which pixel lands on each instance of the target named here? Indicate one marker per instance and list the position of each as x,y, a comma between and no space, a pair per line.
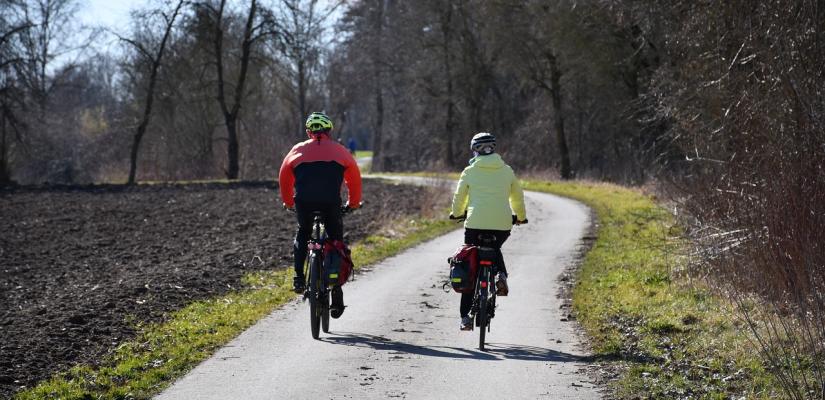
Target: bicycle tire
314,296
325,311
482,319
491,308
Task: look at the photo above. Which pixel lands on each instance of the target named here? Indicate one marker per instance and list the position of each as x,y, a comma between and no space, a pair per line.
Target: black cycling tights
471,237
331,216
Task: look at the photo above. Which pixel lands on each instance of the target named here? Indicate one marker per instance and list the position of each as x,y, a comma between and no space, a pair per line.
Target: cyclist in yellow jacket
491,198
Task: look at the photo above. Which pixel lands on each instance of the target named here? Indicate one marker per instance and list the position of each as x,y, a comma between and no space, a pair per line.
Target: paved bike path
399,336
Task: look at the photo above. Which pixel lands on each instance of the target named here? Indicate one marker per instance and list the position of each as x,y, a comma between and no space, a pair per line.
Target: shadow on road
495,351
531,353
386,344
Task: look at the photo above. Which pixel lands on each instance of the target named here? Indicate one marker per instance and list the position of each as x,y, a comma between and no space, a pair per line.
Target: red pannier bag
337,262
464,268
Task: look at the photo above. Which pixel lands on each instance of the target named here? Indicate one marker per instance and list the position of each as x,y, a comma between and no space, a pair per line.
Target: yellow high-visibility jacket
490,193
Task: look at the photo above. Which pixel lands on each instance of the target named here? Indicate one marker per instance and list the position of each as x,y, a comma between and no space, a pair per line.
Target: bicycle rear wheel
314,296
482,317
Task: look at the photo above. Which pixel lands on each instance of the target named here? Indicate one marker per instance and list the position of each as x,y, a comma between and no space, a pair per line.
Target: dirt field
80,267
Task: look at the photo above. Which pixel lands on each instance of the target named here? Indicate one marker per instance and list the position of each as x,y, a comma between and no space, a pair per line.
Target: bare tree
446,20
536,46
11,56
54,36
154,56
255,30
43,43
302,26
377,64
556,92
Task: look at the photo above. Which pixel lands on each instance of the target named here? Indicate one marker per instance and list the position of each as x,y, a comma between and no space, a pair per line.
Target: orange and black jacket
314,170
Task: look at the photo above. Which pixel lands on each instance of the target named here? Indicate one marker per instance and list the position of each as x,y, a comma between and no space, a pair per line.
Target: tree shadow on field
495,351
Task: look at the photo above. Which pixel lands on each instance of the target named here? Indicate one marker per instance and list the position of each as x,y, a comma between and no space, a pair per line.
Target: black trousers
471,237
333,224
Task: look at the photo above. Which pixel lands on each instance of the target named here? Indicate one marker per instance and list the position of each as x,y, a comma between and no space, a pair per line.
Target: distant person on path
310,180
351,145
488,194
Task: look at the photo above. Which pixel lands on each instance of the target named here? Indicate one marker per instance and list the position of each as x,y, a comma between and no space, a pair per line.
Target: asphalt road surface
400,338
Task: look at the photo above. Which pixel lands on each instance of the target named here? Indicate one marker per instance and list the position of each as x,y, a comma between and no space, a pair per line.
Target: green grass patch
163,352
667,338
366,166
363,153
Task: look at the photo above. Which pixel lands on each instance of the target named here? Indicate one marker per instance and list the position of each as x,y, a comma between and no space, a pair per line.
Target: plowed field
81,267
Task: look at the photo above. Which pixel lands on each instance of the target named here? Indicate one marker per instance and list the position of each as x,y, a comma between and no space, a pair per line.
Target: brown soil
81,267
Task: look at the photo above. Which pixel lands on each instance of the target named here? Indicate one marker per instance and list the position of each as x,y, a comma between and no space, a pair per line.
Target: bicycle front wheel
325,311
314,295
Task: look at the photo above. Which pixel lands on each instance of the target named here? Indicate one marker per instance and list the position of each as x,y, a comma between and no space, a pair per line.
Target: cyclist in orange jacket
310,180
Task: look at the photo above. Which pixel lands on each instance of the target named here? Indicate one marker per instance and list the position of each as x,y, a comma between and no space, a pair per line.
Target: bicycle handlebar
464,217
345,209
517,222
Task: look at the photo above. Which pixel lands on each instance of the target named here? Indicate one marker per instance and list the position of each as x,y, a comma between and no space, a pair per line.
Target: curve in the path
399,336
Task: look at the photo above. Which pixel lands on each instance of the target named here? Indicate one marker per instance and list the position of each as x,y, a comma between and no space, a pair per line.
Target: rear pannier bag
337,262
463,268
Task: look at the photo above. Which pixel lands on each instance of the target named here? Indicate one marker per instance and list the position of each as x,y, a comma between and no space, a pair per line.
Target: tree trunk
133,155
150,96
230,115
302,96
561,141
44,42
449,125
377,133
4,160
232,149
144,122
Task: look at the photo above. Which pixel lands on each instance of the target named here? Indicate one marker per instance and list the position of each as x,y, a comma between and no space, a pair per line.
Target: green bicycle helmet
318,122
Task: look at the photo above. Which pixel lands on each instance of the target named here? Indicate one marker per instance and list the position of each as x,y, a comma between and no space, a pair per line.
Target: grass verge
663,336
165,351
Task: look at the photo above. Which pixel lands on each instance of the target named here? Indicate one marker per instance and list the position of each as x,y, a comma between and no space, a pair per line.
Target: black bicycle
317,292
318,287
484,295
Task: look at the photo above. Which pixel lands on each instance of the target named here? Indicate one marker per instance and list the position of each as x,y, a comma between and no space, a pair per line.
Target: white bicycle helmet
483,143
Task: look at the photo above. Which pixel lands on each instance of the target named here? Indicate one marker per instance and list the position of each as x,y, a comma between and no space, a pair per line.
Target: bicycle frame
315,244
